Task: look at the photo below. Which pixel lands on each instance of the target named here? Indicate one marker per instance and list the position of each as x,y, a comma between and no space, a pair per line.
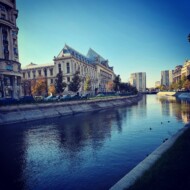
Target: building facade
177,73
10,74
166,78
68,62
185,70
138,80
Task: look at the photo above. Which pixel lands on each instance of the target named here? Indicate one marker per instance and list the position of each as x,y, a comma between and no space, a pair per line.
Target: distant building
157,84
166,78
185,70
177,73
10,75
68,62
138,80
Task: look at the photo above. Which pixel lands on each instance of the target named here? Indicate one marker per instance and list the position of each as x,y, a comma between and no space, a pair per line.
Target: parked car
100,95
75,97
65,97
38,98
85,96
50,98
26,99
8,101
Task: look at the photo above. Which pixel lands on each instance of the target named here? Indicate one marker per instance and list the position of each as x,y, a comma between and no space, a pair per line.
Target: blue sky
134,35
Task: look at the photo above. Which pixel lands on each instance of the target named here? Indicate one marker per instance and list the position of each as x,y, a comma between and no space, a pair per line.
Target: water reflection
173,106
86,151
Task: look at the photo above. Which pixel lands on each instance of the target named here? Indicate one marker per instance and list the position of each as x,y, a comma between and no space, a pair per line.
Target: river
86,151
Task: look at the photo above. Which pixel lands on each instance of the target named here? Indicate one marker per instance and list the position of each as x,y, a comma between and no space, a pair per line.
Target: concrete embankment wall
166,93
31,112
181,95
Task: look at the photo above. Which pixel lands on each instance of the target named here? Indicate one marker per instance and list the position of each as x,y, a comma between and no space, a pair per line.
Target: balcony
8,3
6,23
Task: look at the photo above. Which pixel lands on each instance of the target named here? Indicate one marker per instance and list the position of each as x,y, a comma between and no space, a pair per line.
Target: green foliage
183,83
75,83
59,84
87,84
126,87
117,82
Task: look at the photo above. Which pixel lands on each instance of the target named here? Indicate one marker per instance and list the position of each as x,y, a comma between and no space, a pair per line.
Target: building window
51,81
24,75
5,43
59,68
39,72
3,16
34,74
68,79
2,8
45,72
51,72
68,68
28,74
18,81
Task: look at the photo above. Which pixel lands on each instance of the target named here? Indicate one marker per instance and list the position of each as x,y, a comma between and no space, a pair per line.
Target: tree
126,87
75,83
109,86
52,89
87,84
117,82
59,84
179,84
39,86
26,85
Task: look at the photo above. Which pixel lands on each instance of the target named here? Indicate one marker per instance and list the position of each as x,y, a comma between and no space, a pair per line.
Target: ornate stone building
10,75
69,61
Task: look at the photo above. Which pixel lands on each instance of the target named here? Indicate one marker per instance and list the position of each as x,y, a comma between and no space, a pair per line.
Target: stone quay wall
31,112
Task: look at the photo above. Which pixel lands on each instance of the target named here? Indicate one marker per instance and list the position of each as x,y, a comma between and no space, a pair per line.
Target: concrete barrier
30,112
166,93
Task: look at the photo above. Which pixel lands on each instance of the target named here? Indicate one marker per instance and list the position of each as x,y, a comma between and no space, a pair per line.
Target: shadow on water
24,146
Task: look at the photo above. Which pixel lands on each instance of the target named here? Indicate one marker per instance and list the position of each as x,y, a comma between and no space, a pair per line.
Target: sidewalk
171,171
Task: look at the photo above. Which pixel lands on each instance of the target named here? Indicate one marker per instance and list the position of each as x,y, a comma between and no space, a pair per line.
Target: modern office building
10,75
138,80
68,62
166,78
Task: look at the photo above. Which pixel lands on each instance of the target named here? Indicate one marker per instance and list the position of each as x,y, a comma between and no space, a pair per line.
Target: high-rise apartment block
138,80
10,75
166,77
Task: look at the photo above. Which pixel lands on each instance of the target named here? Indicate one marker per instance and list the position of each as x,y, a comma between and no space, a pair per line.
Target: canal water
86,151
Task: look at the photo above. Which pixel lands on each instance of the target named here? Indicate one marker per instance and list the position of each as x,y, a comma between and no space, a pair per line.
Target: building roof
33,65
68,51
92,57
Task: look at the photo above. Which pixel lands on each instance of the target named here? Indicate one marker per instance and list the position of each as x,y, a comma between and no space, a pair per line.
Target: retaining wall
30,112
